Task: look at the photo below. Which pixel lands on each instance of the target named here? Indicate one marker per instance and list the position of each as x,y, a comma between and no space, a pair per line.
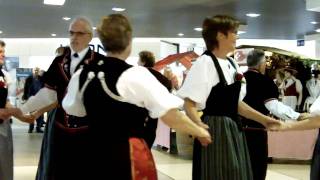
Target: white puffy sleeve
199,81
138,86
72,102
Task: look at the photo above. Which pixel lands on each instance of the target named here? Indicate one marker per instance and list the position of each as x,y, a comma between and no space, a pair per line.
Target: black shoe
30,131
39,130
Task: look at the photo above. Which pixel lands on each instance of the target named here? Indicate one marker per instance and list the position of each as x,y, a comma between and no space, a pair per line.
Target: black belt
77,122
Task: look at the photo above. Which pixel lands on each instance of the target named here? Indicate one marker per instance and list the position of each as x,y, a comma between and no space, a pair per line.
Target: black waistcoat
223,99
107,115
3,92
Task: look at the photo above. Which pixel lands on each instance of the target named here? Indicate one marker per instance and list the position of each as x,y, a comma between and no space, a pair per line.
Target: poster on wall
240,55
21,75
11,63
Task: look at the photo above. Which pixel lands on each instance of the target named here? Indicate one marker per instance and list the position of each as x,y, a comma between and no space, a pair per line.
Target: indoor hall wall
40,52
309,49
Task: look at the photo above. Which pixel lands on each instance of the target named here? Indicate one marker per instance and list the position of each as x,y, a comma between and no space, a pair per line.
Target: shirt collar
81,53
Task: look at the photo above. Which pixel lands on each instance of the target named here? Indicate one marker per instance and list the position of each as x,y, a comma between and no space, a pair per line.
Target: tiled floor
27,147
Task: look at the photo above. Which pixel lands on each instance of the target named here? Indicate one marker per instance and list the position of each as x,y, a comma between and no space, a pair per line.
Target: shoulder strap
232,63
217,65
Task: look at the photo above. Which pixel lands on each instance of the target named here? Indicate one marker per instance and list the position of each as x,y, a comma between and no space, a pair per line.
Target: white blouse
203,76
136,85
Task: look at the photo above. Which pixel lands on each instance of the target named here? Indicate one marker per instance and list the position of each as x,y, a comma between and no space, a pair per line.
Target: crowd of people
104,110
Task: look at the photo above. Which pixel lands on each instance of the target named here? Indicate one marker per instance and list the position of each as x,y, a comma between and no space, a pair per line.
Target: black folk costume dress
114,96
227,157
64,151
6,144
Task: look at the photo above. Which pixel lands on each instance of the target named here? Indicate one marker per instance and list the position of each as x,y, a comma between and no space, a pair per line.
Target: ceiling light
180,34
241,32
314,22
66,18
318,30
253,15
53,35
0,32
54,2
94,28
198,29
118,9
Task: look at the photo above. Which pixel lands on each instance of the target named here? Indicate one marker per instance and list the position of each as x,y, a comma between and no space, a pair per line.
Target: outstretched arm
248,112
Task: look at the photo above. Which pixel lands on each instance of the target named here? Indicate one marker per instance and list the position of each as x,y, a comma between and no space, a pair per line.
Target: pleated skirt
227,158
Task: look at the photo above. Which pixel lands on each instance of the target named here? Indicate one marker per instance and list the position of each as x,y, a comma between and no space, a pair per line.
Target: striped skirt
227,158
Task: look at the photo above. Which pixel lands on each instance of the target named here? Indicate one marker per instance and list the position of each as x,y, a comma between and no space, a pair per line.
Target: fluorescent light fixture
53,35
318,30
314,22
180,34
1,32
253,15
66,18
198,29
241,32
118,9
54,2
94,28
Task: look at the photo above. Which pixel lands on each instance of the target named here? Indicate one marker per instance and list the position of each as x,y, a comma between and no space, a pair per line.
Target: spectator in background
147,59
32,85
313,87
291,88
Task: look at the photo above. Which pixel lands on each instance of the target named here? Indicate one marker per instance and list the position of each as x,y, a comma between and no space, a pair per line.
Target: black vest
127,120
223,99
3,92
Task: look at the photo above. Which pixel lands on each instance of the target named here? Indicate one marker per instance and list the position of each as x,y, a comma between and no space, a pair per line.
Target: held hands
204,137
16,112
282,127
272,124
303,116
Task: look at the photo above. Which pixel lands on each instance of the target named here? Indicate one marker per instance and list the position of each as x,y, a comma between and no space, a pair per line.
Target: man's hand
16,112
304,116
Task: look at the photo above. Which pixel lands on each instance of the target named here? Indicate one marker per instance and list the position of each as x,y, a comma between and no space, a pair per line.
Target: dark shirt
260,89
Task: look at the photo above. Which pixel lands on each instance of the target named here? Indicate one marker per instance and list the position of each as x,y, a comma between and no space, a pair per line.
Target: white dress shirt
76,60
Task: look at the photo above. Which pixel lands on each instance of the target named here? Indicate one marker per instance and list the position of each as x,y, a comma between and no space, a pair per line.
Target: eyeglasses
72,33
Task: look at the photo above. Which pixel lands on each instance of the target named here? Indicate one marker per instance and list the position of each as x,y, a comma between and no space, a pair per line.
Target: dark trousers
315,164
39,121
257,142
150,131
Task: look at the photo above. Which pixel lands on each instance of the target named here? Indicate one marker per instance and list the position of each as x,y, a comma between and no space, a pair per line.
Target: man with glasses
65,144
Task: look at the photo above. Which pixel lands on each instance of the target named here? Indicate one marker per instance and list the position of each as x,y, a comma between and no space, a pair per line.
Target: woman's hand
204,137
203,125
4,114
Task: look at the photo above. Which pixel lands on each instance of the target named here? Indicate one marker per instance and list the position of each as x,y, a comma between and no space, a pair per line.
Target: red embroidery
2,84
